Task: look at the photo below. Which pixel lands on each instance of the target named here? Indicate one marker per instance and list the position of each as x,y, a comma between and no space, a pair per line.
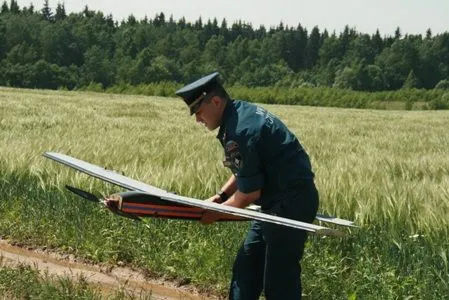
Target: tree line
46,48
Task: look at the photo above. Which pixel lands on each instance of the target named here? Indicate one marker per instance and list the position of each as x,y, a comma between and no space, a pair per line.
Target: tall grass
387,170
25,282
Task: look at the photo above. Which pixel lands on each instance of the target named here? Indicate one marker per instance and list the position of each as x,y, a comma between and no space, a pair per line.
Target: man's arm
228,188
241,200
238,199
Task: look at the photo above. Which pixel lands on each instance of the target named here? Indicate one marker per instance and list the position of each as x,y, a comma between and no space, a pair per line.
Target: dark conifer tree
312,48
2,40
60,12
198,24
5,8
182,23
131,20
159,20
224,31
14,7
397,33
297,48
29,10
110,21
46,12
377,42
88,13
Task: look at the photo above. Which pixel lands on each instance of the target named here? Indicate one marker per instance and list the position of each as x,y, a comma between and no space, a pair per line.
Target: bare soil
106,279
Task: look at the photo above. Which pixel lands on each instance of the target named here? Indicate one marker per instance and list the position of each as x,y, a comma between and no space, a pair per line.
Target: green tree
14,7
190,71
360,48
54,44
88,13
68,77
23,29
237,52
428,69
297,49
5,8
411,82
397,61
325,75
125,41
60,12
30,9
131,20
347,79
442,85
182,23
2,39
224,31
375,79
122,63
252,74
97,67
159,20
327,50
215,51
442,53
312,48
198,25
44,75
141,70
15,74
162,69
377,43
397,33
270,50
209,30
47,14
22,54
345,40
165,47
442,103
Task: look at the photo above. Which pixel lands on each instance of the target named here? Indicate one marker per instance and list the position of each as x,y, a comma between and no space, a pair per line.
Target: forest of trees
49,48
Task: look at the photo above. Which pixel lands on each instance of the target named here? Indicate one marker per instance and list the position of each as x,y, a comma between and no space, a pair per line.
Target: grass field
387,170
25,282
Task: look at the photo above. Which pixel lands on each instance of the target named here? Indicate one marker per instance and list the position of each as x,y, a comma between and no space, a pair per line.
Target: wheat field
386,170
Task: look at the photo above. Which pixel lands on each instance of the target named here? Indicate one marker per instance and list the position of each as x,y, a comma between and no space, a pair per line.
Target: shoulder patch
233,157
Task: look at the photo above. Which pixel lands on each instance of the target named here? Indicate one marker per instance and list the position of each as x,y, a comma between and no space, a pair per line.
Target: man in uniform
269,168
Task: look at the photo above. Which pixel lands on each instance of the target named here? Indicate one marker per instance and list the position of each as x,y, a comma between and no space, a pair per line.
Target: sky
366,16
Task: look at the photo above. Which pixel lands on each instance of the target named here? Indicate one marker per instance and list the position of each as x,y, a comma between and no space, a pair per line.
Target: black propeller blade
91,197
83,194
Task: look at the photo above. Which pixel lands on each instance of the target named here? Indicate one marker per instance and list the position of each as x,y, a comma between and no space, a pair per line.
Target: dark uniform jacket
261,151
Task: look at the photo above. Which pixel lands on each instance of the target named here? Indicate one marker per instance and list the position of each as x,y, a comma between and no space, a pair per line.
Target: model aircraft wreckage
144,200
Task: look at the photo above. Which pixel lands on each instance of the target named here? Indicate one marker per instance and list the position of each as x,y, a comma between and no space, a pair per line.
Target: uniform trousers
269,258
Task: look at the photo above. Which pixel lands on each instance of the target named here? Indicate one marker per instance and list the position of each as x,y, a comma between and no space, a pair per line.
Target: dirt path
107,281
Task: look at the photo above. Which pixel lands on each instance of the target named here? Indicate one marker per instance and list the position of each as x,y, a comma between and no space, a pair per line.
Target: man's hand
210,217
215,198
